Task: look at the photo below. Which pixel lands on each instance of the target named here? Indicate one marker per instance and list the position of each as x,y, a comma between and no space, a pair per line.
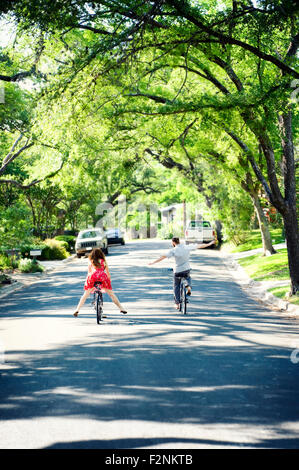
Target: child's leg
114,299
176,289
82,300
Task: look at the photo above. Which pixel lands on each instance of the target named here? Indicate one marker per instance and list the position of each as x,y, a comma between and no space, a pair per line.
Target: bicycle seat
97,284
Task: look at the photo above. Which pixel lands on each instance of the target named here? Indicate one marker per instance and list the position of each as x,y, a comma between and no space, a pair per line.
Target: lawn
267,268
254,240
270,268
281,292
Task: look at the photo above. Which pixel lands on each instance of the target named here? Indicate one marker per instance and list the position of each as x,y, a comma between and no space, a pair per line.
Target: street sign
35,252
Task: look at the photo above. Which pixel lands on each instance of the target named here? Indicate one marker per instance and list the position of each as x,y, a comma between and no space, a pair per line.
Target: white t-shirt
181,255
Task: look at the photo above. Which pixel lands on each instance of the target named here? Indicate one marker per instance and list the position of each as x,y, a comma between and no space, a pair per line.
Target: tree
214,154
43,202
129,42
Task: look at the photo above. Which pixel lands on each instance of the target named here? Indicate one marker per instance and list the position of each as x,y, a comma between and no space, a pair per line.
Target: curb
31,279
255,289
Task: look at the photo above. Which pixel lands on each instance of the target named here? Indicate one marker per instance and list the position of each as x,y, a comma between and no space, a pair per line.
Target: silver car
89,239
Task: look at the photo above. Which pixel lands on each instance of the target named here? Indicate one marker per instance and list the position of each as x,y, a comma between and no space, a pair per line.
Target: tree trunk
263,225
61,221
292,239
218,226
33,213
290,213
286,205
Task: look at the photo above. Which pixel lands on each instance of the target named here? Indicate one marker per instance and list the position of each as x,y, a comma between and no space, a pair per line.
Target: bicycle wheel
184,300
181,296
99,307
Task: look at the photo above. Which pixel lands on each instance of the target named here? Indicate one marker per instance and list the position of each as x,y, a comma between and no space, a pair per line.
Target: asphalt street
223,376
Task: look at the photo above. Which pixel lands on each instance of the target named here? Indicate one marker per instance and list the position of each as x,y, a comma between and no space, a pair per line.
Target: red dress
97,274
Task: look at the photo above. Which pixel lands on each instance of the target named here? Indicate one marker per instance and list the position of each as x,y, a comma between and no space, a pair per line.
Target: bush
55,249
27,265
4,279
8,262
51,249
69,239
4,262
15,222
27,247
165,233
170,230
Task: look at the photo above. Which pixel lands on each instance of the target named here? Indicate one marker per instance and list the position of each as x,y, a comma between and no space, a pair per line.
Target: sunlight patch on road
77,431
176,388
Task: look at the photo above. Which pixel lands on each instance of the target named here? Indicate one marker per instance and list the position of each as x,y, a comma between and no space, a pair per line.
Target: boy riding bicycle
181,254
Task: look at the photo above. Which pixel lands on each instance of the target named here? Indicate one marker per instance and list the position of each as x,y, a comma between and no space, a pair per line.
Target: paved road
220,377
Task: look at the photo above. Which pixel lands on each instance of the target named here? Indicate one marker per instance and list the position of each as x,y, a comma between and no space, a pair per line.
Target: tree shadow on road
221,365
159,377
170,442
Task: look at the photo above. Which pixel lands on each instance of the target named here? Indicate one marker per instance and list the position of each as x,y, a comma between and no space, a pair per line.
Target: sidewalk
26,279
258,289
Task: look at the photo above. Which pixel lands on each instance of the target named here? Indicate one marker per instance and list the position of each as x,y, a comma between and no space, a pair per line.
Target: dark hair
95,257
176,240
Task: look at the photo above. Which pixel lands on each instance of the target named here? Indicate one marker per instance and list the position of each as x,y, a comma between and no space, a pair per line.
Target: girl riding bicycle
98,271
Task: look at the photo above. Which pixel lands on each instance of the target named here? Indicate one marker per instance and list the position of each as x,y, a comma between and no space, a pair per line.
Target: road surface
224,376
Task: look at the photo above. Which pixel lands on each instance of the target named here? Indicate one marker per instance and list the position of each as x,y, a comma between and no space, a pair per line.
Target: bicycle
98,301
183,293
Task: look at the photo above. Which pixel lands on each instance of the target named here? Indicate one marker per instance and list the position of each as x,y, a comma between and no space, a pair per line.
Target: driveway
223,376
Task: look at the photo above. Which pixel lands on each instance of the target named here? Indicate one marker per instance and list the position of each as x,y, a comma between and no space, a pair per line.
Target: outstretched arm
204,245
157,260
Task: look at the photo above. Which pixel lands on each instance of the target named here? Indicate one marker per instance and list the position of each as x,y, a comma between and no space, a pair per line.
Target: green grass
281,293
254,240
270,268
267,268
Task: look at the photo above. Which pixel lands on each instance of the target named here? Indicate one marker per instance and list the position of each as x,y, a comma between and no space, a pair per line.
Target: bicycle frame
98,302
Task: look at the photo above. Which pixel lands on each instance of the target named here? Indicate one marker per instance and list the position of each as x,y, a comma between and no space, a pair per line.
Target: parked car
89,239
115,236
199,231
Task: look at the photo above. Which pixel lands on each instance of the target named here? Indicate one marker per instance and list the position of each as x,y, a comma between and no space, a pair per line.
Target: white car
89,239
199,231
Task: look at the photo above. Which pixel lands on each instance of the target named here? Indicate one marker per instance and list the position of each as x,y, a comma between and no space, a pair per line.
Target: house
168,213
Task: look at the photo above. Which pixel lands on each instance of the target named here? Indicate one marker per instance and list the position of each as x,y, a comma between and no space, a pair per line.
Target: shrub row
69,239
51,249
7,262
25,265
55,249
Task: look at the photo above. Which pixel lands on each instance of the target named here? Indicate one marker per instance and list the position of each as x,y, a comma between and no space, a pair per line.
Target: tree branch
34,182
187,12
168,162
33,70
9,158
252,161
91,28
293,47
183,134
17,76
158,99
